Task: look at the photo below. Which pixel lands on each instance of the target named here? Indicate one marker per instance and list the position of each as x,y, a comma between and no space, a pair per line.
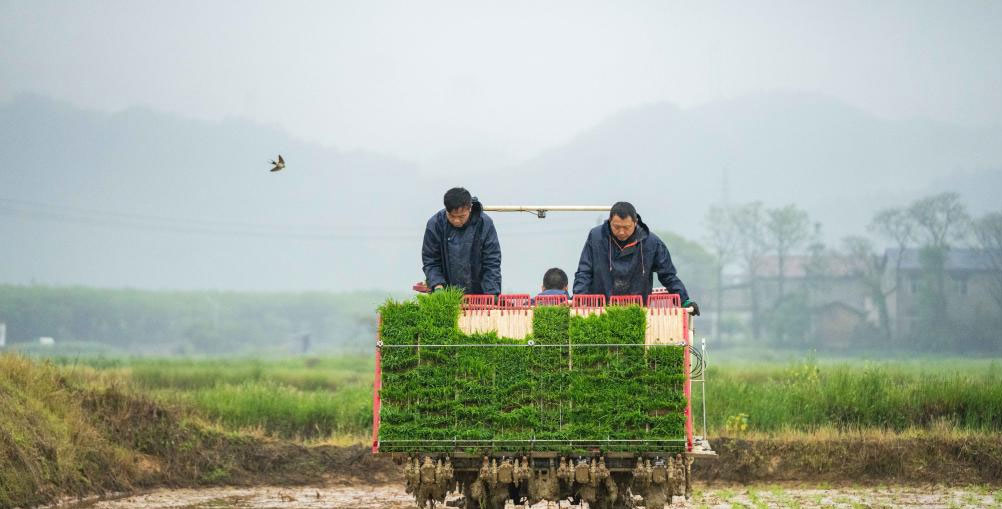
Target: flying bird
279,165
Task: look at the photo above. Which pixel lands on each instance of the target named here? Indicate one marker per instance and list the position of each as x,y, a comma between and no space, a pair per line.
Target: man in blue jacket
461,247
621,256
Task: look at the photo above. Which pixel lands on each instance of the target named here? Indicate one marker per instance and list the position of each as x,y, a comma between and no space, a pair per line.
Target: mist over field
136,139
212,217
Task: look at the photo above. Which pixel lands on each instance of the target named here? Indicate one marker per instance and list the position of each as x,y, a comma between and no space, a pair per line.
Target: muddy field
392,496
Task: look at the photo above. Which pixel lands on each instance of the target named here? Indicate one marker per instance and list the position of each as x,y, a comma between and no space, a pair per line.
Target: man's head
622,220
458,204
555,279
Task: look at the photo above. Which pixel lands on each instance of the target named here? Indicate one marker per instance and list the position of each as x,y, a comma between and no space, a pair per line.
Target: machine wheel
623,500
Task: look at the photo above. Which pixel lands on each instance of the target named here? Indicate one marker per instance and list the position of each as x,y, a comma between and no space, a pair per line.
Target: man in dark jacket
621,256
461,247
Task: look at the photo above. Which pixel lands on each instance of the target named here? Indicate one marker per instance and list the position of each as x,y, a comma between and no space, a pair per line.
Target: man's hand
693,305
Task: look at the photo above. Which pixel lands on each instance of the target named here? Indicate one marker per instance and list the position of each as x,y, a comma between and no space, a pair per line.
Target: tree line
744,236
190,322
739,240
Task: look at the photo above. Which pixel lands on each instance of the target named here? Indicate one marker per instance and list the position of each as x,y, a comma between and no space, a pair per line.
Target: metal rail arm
541,210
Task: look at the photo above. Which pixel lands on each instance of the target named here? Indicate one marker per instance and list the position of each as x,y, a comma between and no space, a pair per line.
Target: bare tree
819,263
988,231
939,219
787,227
723,240
749,222
872,266
897,225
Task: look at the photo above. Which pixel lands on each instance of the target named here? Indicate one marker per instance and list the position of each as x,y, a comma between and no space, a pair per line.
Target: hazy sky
492,82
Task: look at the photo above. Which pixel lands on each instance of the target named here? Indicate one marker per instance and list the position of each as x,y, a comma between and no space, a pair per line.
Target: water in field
392,496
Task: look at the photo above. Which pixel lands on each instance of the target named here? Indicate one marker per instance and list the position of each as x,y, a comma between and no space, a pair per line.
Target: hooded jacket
608,269
467,257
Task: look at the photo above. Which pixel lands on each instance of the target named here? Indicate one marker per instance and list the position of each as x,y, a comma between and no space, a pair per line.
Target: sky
482,85
463,91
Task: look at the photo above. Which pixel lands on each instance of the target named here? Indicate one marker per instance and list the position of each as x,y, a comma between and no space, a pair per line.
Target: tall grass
328,374
855,395
331,397
302,398
48,440
311,373
284,410
327,397
77,430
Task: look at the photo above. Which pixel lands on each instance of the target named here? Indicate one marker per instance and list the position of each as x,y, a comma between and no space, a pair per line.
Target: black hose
696,369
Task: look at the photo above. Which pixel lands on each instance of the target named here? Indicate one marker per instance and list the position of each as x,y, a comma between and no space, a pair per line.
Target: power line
48,207
31,210
187,229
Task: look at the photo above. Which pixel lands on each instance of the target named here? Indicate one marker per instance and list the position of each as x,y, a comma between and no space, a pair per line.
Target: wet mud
392,496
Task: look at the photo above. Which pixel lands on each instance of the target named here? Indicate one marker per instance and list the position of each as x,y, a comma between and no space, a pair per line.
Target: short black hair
554,279
623,209
456,198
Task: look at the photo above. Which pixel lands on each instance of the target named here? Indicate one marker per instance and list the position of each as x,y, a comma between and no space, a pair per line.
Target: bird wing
280,160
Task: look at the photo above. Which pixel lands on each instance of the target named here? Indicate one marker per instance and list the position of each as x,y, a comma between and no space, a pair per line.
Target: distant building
840,304
835,325
3,334
836,298
967,289
46,341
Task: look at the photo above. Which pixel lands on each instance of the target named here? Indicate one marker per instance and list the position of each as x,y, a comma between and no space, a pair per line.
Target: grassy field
845,395
331,398
79,426
76,429
304,398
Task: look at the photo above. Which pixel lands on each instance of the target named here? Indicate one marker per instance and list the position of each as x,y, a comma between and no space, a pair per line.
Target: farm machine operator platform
529,399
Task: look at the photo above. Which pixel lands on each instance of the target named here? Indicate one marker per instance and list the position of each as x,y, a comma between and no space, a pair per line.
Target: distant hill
838,162
181,203
214,177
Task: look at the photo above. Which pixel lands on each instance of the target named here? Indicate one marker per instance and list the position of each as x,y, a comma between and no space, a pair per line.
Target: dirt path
391,496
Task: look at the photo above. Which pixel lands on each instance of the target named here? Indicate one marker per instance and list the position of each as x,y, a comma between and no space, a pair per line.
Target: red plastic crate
550,300
589,301
626,300
664,302
514,301
478,302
